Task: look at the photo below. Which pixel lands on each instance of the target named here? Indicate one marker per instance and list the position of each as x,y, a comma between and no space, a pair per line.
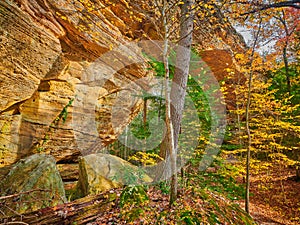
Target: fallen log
80,211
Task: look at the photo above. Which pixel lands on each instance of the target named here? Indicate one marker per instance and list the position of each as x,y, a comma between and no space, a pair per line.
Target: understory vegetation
275,136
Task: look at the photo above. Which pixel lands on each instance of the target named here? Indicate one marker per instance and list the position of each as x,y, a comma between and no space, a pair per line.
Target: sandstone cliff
46,47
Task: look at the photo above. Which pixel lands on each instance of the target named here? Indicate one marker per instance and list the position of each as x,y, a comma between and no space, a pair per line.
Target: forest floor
275,196
190,208
274,199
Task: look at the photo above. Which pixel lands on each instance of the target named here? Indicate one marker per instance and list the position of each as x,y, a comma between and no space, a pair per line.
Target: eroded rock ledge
46,46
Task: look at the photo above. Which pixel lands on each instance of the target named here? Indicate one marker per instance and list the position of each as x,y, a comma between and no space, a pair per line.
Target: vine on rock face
39,147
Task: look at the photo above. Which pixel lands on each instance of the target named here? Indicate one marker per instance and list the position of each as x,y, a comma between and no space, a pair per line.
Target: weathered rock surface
223,67
45,48
68,172
101,172
47,51
26,56
34,183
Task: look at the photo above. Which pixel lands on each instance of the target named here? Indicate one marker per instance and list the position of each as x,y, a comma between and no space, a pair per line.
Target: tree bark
286,66
169,123
145,113
175,98
178,90
247,197
80,211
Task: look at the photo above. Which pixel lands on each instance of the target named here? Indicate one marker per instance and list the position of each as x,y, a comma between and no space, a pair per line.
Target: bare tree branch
261,7
21,193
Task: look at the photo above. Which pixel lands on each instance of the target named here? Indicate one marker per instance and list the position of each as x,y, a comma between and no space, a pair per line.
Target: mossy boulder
33,183
102,172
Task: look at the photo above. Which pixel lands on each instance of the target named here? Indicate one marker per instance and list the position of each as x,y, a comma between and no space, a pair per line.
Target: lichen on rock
102,172
34,182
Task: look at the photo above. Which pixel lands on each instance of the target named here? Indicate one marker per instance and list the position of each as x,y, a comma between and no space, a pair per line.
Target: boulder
101,172
31,184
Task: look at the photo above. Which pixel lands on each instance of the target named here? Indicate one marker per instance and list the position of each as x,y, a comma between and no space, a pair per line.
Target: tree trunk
282,19
286,67
170,132
80,211
247,197
145,113
178,90
176,96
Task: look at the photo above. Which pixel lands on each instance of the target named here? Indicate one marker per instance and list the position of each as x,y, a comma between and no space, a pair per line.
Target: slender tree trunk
126,143
170,132
177,94
247,197
284,50
238,114
286,66
145,113
182,66
178,91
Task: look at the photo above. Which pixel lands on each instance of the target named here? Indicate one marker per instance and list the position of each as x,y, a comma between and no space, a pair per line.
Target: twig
25,192
284,4
15,222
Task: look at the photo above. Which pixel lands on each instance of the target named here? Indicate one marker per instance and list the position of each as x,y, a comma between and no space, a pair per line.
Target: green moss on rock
35,183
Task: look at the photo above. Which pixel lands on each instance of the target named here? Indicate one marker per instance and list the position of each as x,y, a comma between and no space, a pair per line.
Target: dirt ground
275,197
